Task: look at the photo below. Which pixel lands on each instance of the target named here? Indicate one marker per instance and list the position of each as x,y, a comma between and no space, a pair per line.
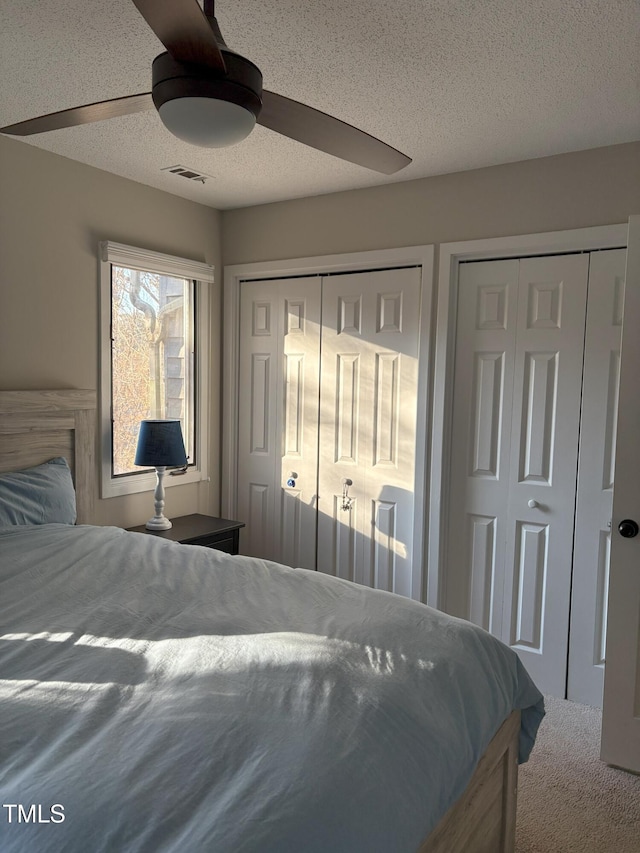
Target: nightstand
219,533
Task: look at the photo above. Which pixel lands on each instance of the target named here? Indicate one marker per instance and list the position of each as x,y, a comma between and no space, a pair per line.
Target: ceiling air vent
186,172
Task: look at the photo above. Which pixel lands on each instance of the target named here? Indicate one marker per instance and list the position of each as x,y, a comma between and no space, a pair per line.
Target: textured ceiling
455,84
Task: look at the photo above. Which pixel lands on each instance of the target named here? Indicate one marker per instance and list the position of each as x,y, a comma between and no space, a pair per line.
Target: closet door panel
552,295
368,410
539,411
258,417
532,544
278,418
516,410
298,445
592,544
481,430
480,540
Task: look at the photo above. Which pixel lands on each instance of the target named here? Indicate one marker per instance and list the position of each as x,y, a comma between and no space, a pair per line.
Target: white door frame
422,256
450,256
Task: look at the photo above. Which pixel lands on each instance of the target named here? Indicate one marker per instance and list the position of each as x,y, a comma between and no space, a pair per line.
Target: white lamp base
159,522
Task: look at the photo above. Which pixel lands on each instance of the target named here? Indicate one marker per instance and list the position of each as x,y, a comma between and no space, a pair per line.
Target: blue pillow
40,495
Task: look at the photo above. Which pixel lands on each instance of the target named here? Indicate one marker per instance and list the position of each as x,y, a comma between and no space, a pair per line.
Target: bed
165,697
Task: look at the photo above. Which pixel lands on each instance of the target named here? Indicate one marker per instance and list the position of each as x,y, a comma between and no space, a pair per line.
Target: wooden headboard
38,425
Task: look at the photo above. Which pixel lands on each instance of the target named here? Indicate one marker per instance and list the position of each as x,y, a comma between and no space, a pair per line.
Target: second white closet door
519,346
545,430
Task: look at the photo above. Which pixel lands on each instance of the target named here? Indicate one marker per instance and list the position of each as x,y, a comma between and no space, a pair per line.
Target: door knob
532,504
291,480
628,528
346,500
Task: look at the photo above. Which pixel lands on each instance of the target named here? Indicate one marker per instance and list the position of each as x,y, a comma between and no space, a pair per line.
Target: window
152,358
154,345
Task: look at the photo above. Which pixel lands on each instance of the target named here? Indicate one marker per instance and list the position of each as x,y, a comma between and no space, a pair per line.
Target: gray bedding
174,698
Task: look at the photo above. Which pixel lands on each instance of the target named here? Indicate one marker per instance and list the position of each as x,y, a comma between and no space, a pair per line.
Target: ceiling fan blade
82,115
184,30
326,133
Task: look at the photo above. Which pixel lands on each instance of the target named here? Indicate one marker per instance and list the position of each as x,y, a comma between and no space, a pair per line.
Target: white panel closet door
592,545
368,405
552,297
516,414
481,425
278,419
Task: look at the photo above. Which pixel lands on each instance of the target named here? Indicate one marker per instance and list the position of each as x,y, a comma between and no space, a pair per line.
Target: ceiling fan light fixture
207,122
205,109
211,96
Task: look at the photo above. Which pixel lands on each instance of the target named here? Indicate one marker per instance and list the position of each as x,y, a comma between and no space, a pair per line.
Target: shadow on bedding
46,660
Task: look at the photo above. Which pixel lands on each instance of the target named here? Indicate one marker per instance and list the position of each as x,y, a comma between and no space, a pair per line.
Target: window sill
147,483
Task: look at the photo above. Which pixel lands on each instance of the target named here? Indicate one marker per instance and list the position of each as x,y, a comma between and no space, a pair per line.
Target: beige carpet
568,801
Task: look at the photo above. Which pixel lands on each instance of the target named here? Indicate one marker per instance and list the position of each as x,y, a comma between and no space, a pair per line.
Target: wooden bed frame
38,425
483,820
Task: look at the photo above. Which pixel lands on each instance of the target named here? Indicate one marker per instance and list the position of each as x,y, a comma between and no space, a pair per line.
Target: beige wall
596,187
53,213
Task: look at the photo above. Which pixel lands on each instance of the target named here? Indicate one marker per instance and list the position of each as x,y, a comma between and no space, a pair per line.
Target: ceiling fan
210,96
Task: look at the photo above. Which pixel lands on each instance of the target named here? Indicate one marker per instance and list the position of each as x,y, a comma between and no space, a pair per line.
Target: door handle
628,528
346,500
532,504
291,479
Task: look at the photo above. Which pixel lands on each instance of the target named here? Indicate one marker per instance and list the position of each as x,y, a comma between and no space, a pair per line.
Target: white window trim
203,274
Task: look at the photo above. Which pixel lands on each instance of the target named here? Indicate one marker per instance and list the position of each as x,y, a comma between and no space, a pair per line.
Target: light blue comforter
173,698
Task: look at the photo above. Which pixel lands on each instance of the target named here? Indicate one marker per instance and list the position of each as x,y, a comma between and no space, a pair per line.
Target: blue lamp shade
160,444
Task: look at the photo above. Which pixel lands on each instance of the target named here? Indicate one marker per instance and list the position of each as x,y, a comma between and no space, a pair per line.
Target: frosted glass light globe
207,122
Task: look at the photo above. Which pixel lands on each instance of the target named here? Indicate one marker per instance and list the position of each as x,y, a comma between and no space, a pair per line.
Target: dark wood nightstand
223,534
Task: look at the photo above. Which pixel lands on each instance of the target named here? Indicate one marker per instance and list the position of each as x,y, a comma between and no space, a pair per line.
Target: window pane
152,374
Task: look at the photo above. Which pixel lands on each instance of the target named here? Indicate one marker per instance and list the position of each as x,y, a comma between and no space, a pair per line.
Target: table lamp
160,445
